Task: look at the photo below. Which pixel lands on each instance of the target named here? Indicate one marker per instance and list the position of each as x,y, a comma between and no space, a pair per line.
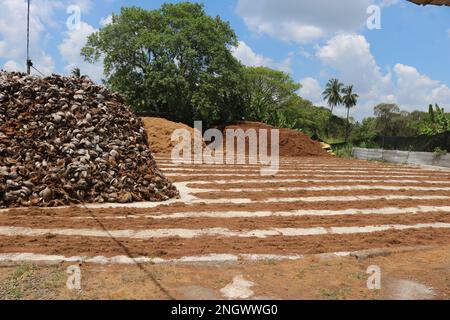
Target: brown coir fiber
159,132
292,143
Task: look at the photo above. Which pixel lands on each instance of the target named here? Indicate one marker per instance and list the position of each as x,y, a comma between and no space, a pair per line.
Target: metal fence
405,157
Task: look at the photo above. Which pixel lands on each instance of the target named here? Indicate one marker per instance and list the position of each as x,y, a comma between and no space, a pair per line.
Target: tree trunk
329,120
348,125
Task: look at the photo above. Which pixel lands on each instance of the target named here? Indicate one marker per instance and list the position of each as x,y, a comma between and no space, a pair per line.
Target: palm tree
349,99
76,72
332,93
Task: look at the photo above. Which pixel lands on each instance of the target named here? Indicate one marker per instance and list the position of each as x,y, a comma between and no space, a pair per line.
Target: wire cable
155,281
28,39
37,70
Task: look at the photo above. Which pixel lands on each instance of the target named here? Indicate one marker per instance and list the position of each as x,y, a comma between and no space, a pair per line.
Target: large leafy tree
332,93
386,113
315,121
175,61
268,92
365,131
349,99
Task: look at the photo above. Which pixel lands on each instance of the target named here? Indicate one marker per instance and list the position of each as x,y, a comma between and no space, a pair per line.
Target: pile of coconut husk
67,141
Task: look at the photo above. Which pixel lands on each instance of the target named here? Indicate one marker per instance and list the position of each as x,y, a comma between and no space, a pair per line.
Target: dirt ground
417,274
292,235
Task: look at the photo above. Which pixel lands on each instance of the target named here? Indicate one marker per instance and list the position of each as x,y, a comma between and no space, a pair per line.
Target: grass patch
332,141
300,273
343,151
28,282
336,294
271,262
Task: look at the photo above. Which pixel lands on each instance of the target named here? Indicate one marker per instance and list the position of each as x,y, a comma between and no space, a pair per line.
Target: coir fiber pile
67,141
292,143
160,134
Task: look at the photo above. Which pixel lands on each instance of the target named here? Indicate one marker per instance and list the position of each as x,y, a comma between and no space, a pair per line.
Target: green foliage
279,119
390,121
268,92
332,93
316,122
76,72
437,122
394,128
349,99
385,118
173,61
364,131
344,151
438,152
411,123
176,62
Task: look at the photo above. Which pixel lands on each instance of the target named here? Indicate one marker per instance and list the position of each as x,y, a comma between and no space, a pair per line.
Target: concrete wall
406,157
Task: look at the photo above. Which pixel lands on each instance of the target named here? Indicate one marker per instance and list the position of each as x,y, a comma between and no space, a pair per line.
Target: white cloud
286,64
350,57
304,53
42,27
13,17
70,49
305,21
85,5
105,21
413,87
387,3
302,21
311,90
448,32
12,65
248,57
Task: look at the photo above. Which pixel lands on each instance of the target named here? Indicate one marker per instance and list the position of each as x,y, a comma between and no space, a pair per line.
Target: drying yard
230,215
79,183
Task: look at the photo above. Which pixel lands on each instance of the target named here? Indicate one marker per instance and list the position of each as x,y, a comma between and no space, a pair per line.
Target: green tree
332,93
438,121
385,118
268,92
413,123
364,132
174,61
313,121
76,72
349,99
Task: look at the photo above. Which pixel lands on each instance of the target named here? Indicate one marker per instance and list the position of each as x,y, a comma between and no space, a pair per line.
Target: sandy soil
310,278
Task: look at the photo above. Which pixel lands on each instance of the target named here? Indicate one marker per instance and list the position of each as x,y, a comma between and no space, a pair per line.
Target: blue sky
406,61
